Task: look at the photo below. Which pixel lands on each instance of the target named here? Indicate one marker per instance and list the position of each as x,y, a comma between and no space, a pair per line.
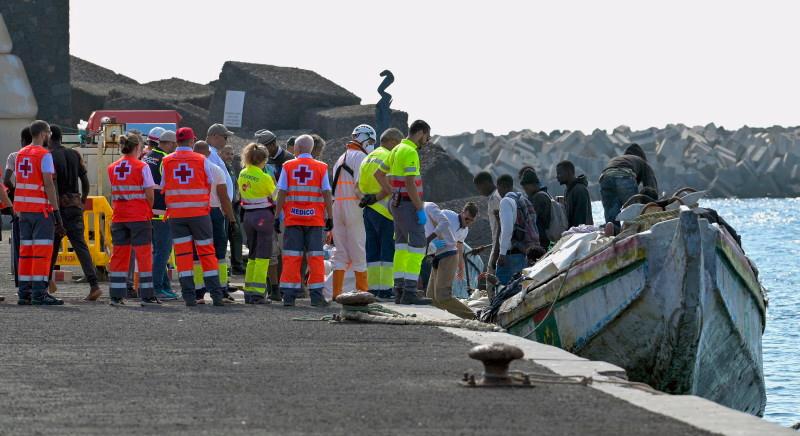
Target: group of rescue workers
174,196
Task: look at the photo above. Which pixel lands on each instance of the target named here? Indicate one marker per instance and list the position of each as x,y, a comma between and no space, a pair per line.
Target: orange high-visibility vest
304,205
29,195
127,191
186,188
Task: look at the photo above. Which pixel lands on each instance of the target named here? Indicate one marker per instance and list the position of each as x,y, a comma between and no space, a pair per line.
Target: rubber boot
410,295
338,282
362,284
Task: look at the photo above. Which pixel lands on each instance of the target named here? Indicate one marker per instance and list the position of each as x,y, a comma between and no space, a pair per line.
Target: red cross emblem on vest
302,174
122,169
25,167
183,173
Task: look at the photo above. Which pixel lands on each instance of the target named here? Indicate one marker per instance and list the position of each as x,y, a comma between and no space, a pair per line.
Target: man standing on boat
620,179
576,197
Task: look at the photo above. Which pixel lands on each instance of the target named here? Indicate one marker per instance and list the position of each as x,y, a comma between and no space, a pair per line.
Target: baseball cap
184,134
168,136
265,137
219,129
155,133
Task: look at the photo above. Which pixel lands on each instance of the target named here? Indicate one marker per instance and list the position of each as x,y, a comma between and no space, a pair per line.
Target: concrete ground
88,368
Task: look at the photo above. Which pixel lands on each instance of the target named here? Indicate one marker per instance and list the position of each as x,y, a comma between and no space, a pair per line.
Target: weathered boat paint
678,306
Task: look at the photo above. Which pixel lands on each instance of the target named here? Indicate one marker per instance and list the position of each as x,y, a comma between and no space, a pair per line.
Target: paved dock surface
88,368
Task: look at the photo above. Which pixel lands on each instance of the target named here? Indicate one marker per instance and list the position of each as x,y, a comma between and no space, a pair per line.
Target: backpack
525,235
558,221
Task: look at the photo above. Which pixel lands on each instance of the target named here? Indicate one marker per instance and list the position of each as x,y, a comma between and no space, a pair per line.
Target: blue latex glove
421,218
439,243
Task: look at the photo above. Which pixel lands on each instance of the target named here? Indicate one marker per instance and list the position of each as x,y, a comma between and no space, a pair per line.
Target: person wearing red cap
186,182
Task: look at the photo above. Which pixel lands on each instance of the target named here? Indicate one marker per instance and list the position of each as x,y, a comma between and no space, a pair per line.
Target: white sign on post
234,105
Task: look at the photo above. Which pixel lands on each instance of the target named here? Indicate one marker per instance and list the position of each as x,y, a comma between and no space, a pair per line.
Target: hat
185,134
265,137
155,133
636,150
219,129
529,177
168,136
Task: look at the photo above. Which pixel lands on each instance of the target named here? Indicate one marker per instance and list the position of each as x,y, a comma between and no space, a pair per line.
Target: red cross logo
183,173
25,167
122,169
302,174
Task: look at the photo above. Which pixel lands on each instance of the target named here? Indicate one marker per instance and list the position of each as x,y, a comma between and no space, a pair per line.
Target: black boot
275,293
410,297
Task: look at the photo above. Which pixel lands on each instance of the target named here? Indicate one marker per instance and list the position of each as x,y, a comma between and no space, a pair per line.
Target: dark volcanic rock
276,97
194,93
85,71
39,32
340,121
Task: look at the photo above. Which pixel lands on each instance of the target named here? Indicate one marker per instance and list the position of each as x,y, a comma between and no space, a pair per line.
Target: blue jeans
614,192
162,247
514,264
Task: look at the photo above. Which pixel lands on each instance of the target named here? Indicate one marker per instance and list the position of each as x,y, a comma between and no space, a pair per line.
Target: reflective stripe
185,192
210,273
316,253
117,274
403,247
316,285
291,285
30,242
121,285
128,197
292,253
304,189
182,240
33,278
35,200
30,186
204,241
126,188
410,169
346,198
186,205
159,212
145,285
305,198
374,264
185,274
144,275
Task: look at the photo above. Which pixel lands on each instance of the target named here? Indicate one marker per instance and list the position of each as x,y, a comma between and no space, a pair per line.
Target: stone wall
748,162
34,25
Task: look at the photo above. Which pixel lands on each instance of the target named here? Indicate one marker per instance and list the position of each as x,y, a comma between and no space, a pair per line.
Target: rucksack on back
525,235
558,221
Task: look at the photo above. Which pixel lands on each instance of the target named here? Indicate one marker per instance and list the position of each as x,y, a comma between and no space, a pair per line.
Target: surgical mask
369,148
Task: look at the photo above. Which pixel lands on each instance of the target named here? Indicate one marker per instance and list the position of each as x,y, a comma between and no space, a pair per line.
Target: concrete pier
88,368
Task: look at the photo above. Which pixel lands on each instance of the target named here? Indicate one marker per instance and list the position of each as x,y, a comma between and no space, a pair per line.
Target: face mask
369,148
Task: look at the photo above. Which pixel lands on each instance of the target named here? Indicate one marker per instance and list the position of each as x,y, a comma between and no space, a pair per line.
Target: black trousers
73,227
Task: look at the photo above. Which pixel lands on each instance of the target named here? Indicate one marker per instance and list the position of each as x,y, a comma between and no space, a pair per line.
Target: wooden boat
672,299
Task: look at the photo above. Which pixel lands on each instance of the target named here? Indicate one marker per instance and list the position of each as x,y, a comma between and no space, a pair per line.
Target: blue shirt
283,185
216,160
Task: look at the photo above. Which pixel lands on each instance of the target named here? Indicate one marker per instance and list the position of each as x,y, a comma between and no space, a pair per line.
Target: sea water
770,231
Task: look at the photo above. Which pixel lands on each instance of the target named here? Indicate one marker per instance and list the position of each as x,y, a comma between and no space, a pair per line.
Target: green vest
368,184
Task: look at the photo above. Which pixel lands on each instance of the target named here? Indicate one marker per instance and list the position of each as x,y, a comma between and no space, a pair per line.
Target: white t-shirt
217,178
147,177
11,163
446,225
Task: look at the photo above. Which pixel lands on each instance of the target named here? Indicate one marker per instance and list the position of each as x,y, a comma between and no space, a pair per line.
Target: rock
194,93
339,121
85,71
356,298
276,97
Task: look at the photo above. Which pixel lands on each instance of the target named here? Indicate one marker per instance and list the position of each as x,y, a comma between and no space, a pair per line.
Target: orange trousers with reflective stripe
300,241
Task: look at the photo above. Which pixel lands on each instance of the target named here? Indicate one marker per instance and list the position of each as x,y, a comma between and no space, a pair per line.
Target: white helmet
364,133
155,134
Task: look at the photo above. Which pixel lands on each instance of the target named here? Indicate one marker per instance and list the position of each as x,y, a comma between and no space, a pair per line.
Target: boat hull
677,306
